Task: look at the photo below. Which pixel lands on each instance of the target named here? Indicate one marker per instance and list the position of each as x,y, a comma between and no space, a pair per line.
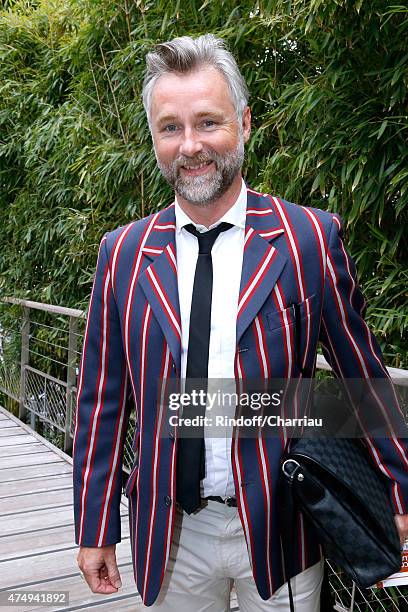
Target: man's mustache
192,161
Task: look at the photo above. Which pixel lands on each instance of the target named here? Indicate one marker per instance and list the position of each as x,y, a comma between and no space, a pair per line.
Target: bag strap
292,605
288,526
289,518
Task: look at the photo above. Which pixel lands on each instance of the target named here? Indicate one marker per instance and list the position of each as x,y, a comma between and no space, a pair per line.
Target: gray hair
185,54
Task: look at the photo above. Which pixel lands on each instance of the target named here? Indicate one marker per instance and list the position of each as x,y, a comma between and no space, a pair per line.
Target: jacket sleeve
101,417
353,352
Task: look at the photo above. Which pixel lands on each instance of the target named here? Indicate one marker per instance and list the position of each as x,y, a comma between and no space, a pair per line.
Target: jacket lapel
261,268
159,280
262,262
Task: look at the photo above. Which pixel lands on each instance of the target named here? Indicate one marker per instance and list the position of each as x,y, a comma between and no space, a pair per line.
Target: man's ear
246,123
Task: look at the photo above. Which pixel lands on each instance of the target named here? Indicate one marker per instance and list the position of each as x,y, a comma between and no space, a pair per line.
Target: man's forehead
201,91
203,81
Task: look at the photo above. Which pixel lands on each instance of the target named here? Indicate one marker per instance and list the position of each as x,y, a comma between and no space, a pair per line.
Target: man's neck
213,211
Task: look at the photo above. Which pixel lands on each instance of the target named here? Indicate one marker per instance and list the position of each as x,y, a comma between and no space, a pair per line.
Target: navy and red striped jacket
293,255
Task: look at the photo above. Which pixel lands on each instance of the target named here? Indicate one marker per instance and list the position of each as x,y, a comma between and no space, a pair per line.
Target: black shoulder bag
335,484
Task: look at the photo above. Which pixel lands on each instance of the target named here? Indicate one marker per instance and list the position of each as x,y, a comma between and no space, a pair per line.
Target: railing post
25,356
71,380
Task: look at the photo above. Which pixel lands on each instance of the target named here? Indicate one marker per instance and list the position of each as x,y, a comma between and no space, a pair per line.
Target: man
205,516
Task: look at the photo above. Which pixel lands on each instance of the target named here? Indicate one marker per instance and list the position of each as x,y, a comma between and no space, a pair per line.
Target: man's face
198,142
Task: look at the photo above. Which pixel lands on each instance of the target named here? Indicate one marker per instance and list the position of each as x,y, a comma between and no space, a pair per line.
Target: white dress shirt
227,256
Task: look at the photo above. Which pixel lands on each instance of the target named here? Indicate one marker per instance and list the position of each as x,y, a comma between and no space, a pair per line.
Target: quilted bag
335,484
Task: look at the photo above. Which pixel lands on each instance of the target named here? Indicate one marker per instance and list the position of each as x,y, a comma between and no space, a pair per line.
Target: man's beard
204,189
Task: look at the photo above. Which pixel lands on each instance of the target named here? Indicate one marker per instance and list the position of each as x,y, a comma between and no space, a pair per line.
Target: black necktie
190,457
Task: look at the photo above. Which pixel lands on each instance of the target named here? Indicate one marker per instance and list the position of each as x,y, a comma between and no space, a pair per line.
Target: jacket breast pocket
295,313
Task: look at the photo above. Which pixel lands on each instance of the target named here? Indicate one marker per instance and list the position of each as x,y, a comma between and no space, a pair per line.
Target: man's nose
191,144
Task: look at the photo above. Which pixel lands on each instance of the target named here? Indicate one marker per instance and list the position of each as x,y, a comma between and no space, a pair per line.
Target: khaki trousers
209,555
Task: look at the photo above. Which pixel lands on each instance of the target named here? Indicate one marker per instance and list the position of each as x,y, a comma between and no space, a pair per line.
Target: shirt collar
236,215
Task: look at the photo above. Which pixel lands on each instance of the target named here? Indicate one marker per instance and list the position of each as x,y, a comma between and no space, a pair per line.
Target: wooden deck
37,547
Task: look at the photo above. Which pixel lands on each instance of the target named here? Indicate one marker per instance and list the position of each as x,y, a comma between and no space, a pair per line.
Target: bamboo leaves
328,84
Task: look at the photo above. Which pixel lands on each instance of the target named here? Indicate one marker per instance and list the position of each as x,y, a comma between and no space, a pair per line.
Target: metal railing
40,348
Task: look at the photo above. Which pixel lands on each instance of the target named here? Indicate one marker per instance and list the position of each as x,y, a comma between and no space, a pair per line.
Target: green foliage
328,82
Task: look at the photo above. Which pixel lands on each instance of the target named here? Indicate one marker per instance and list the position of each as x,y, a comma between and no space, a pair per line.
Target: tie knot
206,239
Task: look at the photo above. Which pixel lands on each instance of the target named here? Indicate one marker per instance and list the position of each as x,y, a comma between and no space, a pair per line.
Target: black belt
228,501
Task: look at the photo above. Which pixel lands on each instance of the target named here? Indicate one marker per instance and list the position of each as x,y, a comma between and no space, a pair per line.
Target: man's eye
209,122
170,128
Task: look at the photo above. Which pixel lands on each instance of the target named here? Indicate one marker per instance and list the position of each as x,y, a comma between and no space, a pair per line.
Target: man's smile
197,169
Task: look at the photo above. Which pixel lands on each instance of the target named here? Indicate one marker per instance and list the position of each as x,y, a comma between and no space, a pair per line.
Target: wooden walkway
37,545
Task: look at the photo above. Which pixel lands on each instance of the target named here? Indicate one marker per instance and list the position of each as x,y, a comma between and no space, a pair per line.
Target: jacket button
167,500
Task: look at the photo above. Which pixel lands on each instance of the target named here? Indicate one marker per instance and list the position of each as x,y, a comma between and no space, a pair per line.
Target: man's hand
99,568
401,521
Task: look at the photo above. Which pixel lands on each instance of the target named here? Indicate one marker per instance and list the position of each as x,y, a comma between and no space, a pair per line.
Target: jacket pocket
287,316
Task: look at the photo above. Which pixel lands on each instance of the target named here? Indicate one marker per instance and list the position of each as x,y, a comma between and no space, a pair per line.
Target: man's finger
98,584
113,571
401,521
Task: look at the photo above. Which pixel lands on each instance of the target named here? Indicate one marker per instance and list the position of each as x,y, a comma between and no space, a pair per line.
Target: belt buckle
229,501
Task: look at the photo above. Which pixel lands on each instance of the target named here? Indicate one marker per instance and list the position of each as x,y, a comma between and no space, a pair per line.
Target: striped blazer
292,255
